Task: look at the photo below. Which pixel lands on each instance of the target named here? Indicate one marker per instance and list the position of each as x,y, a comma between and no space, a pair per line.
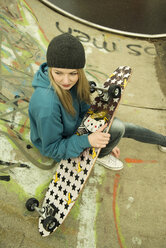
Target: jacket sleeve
84,109
56,146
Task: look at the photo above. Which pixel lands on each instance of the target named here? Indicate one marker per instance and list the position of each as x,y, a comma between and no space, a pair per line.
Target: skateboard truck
112,91
47,213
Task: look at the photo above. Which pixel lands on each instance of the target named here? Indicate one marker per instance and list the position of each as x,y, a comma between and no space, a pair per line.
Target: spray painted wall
23,45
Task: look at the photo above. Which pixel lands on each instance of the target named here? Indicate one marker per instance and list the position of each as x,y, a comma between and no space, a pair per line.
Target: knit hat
65,51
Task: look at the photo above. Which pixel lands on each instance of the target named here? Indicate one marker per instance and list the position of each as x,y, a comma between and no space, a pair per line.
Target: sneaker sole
111,168
162,149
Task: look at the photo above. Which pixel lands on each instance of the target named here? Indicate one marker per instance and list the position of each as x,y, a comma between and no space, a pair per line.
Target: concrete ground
125,209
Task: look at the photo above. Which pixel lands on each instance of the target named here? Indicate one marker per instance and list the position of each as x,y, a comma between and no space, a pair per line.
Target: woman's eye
73,73
58,73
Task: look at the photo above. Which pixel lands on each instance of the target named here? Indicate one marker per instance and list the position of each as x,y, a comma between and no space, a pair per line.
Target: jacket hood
41,78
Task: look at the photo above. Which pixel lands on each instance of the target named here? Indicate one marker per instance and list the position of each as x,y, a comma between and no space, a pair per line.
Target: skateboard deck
72,174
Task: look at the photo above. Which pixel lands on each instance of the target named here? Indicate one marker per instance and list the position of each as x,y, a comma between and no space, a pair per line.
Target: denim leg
121,129
143,135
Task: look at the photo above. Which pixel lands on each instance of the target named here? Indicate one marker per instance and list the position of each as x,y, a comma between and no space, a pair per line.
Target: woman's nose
66,79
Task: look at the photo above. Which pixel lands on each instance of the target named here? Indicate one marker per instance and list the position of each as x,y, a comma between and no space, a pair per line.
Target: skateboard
72,174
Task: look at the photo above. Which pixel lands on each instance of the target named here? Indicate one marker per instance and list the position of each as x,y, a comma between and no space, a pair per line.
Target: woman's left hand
116,152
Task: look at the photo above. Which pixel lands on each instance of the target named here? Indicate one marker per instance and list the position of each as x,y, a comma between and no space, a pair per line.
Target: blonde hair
83,91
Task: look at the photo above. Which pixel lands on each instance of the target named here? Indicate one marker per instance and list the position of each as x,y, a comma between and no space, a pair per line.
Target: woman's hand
116,152
99,139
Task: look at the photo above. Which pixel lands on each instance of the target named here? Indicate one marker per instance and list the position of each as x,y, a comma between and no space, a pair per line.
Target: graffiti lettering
83,37
146,49
132,49
104,46
136,50
69,29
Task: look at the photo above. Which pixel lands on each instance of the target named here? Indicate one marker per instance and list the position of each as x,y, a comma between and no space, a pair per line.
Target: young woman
59,103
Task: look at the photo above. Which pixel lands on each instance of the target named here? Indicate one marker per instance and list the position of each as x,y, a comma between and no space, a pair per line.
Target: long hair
83,91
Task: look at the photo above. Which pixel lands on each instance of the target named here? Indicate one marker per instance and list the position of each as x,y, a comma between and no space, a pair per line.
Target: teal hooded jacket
52,128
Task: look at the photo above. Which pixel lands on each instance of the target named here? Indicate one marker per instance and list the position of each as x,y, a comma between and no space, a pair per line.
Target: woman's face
65,78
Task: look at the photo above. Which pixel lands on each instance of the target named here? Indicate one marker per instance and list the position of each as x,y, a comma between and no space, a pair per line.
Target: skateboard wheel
50,223
31,204
92,86
114,91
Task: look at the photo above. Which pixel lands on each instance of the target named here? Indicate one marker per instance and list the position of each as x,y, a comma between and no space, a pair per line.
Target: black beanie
65,51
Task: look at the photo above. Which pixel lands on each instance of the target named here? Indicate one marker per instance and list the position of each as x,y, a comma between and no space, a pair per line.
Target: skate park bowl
135,18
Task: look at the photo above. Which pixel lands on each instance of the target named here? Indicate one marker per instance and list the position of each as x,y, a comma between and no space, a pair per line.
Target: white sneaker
110,162
162,148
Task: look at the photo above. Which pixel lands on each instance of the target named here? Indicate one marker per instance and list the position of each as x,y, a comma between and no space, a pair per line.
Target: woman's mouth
66,85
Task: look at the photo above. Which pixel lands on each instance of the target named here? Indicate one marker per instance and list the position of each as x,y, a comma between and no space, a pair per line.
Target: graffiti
89,210
85,38
139,161
136,50
102,44
22,51
116,212
5,178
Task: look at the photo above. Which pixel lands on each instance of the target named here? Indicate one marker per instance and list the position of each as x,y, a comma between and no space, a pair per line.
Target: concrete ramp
116,209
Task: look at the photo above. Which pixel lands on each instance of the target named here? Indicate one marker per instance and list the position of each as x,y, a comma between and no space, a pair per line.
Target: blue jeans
121,129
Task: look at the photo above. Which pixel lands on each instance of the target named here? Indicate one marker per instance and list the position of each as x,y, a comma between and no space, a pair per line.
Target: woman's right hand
99,139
